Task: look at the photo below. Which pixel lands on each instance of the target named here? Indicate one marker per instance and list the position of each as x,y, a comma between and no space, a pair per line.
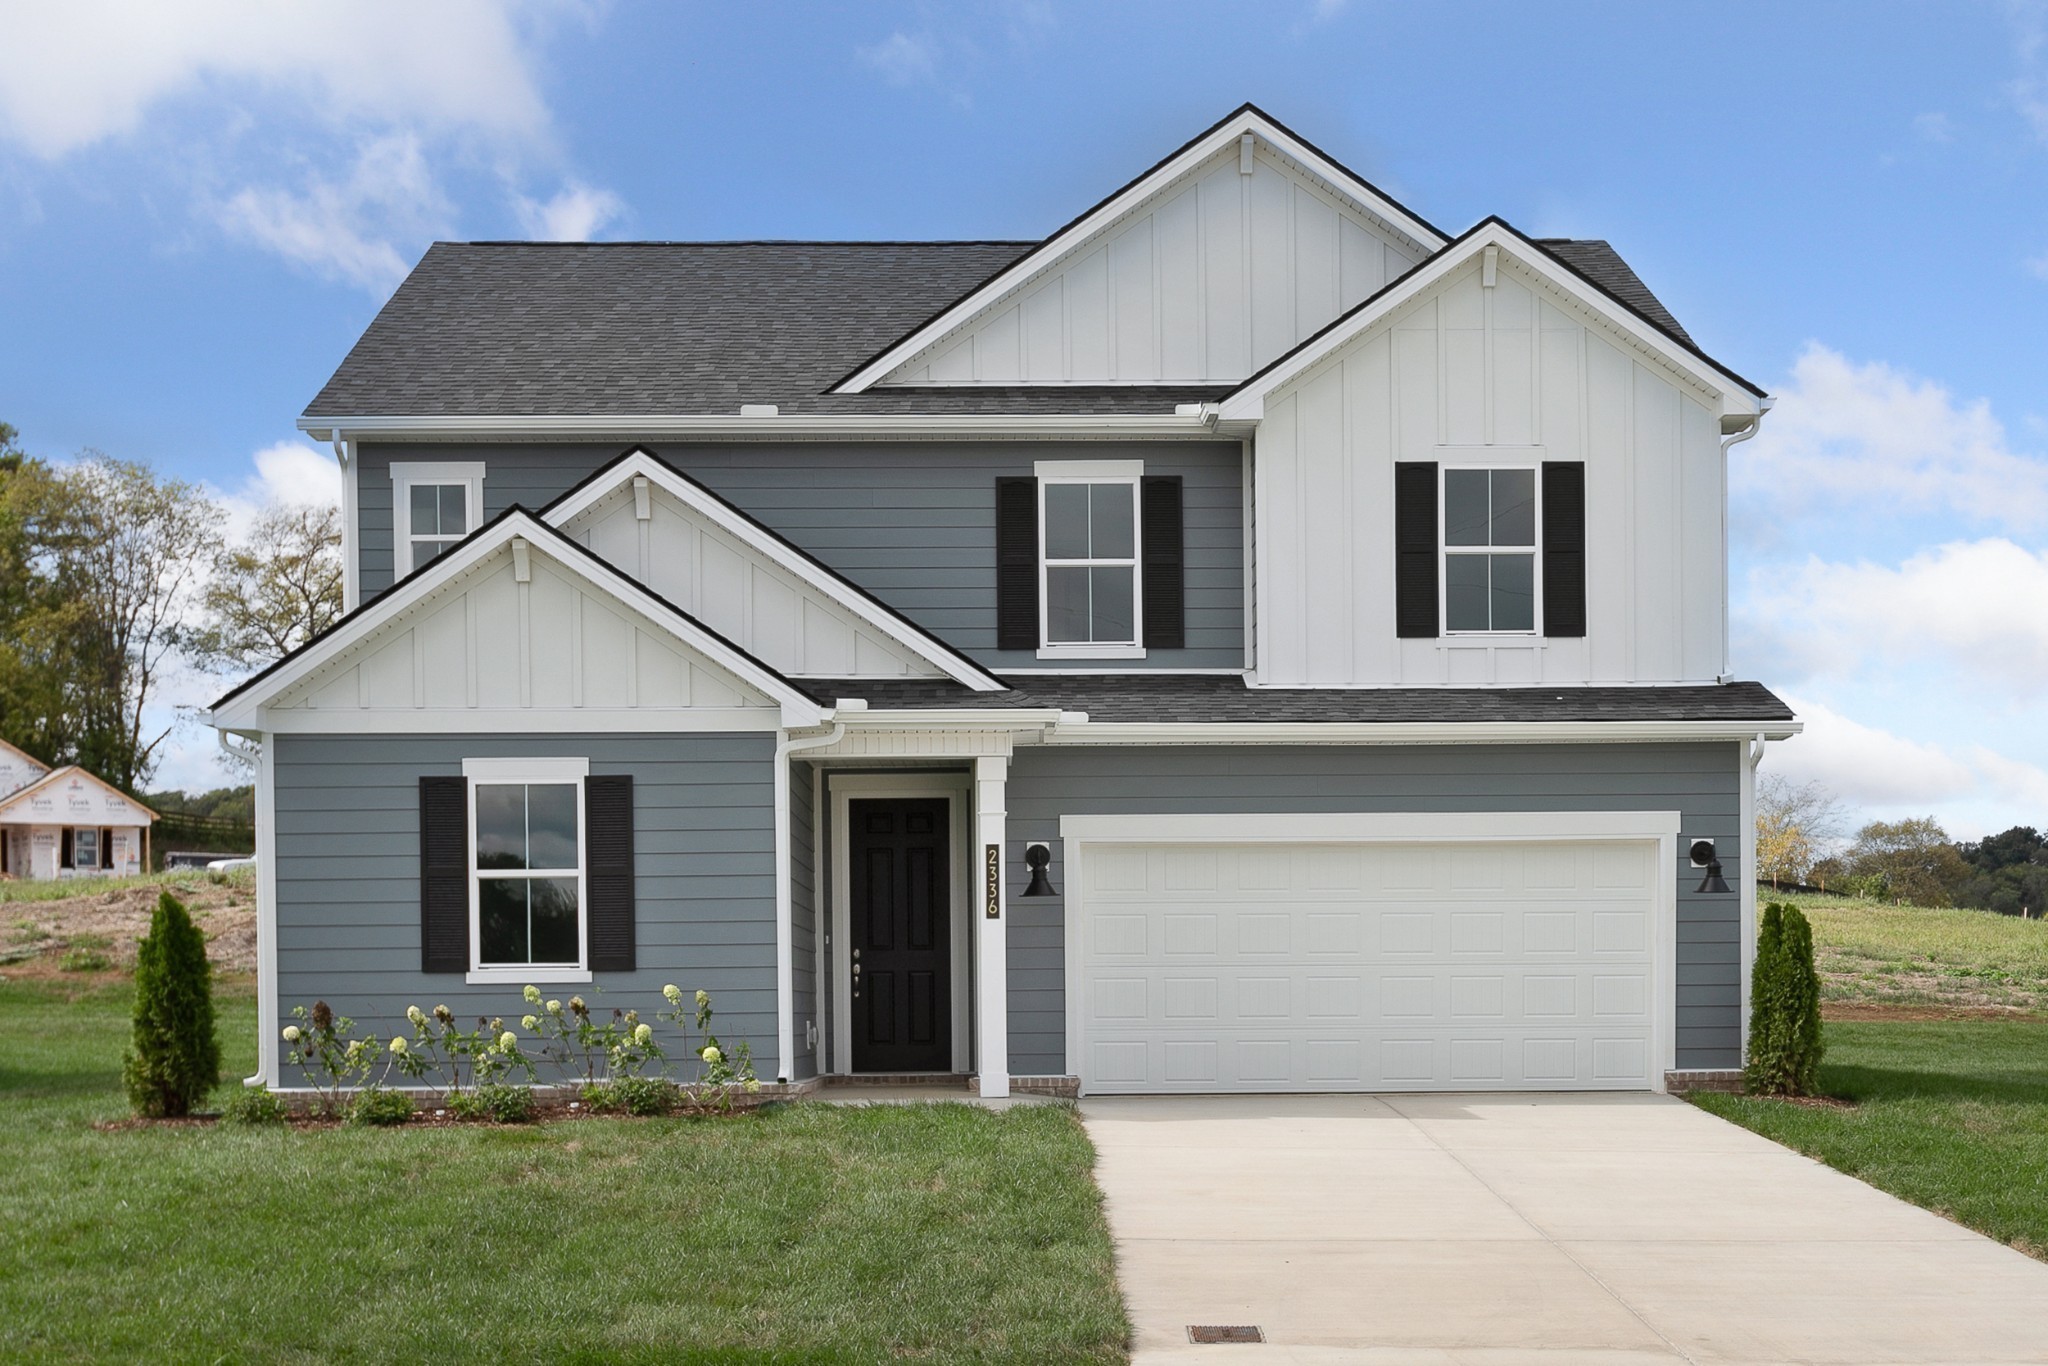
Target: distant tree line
1800,842
112,575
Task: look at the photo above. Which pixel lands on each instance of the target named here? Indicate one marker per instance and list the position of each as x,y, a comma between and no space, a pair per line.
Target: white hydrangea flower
508,1041
529,1022
674,994
711,1053
703,997
532,995
644,1035
399,1045
416,1015
753,1085
291,1034
554,1007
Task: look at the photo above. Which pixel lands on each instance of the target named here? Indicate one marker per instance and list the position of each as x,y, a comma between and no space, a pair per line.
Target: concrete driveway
1497,1229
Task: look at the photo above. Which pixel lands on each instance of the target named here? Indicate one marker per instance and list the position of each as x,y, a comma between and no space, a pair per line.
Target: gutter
519,427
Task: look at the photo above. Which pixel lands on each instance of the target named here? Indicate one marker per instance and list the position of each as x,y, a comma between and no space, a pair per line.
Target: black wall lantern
1038,858
1703,856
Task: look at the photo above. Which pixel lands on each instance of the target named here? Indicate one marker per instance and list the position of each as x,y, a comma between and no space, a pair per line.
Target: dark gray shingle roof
1225,698
485,328
646,328
1600,263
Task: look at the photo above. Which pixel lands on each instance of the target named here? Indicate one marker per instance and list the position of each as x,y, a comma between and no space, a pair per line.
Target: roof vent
760,410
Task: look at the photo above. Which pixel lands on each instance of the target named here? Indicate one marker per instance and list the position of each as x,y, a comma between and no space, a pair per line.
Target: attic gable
1217,260
518,626
694,550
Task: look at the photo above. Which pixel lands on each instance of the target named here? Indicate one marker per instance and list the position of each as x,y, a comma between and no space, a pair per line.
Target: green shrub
1784,1007
254,1105
377,1107
84,960
497,1101
632,1096
175,1059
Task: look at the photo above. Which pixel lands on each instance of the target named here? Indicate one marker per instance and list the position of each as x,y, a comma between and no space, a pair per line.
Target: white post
991,942
267,1064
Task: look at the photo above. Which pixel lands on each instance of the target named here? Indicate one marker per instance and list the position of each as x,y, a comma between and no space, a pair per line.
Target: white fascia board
1248,403
514,720
250,709
641,465
1083,230
952,718
1414,732
820,426
1368,827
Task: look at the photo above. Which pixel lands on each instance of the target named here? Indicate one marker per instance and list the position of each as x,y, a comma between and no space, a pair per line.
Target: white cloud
343,228
903,59
289,471
1887,774
1875,439
1972,610
85,71
575,214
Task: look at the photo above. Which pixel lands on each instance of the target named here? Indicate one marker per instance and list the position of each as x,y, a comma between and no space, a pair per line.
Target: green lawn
1949,1114
1875,954
807,1233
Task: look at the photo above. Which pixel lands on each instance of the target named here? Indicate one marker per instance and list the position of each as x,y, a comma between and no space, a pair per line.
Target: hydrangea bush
488,1071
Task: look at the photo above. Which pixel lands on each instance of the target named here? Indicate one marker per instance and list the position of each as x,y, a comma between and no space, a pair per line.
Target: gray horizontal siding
913,523
1701,781
704,872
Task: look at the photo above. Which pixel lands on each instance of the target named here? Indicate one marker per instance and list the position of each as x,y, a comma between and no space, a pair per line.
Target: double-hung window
527,865
1089,589
434,505
1489,549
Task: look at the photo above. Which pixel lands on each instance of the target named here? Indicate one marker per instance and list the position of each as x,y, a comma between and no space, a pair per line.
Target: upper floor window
1489,548
434,506
1090,561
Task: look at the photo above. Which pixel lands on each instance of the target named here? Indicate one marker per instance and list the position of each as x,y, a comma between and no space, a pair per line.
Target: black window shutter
608,870
1165,557
1564,548
1415,549
444,874
1016,564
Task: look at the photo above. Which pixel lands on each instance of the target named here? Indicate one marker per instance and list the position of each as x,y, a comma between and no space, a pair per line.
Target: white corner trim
554,770
1437,827
640,469
268,1063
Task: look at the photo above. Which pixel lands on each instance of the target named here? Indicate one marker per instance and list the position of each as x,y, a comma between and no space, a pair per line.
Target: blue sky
202,205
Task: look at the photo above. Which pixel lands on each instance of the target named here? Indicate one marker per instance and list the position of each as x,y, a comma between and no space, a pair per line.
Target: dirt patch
1886,1010
112,919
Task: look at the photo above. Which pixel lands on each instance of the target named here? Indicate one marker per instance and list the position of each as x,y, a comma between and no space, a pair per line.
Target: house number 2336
992,882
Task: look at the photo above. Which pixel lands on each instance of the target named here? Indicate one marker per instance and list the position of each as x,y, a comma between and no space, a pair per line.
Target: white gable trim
639,464
1248,402
244,709
1083,230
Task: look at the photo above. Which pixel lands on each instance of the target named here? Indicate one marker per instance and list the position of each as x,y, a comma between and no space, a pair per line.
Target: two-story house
1251,639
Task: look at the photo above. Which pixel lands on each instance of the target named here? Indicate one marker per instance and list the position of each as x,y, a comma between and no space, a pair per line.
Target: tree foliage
2008,873
1796,826
1908,860
274,591
174,1058
1785,1044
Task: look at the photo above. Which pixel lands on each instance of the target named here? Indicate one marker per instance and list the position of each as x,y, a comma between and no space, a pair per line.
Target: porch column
991,952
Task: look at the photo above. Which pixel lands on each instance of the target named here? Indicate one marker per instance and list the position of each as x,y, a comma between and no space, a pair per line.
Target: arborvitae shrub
174,1060
1784,1007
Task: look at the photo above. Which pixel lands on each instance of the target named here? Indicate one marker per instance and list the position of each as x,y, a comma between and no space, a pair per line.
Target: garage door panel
1370,967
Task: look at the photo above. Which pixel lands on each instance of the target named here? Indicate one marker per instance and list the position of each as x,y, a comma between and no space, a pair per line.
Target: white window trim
1444,550
572,771
1131,472
469,473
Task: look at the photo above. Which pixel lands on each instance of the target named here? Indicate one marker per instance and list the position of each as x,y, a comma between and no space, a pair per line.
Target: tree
149,541
1785,1044
1796,826
273,592
174,1058
1913,857
42,625
2009,873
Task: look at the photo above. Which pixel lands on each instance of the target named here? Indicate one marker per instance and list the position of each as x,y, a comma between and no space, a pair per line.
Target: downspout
1752,755
785,909
351,592
1728,442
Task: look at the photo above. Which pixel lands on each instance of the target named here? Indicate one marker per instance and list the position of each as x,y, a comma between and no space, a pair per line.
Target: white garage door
1374,966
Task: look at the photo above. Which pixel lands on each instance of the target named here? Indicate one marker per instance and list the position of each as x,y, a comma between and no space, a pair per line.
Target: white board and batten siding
1369,965
1512,374
737,591
485,646
1208,280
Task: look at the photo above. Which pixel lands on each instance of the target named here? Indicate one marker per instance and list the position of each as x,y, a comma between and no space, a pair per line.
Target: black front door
901,955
